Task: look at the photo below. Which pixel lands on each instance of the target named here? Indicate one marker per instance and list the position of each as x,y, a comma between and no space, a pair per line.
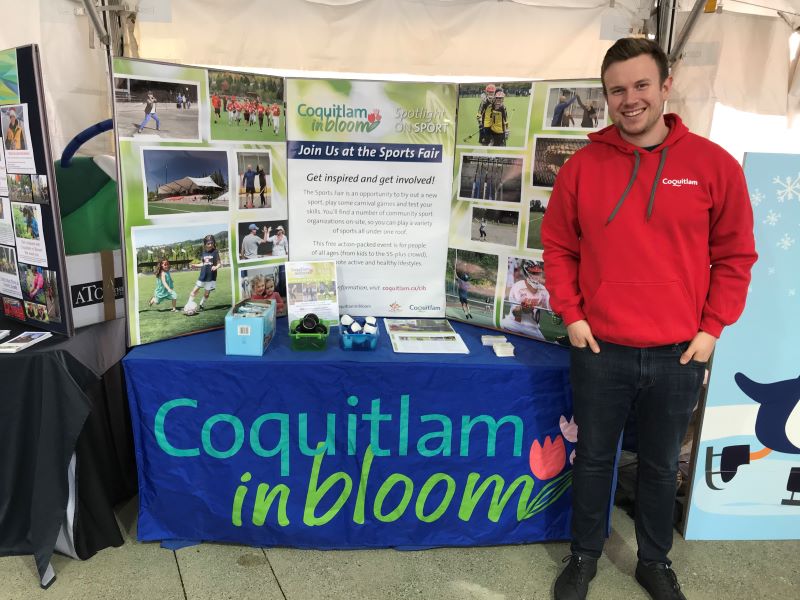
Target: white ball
190,308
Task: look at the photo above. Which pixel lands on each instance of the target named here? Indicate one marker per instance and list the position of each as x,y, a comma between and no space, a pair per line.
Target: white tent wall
740,60
424,37
75,75
747,58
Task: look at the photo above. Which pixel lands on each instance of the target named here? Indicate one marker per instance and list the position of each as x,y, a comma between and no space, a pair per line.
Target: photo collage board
33,282
202,160
512,139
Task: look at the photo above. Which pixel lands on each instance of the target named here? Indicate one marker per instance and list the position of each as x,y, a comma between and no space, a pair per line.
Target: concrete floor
707,570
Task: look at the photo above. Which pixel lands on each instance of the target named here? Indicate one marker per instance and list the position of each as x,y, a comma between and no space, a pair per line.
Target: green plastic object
306,341
89,207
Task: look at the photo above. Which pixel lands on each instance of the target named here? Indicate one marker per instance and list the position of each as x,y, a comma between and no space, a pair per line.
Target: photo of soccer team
550,153
157,109
490,177
575,108
179,181
246,107
500,114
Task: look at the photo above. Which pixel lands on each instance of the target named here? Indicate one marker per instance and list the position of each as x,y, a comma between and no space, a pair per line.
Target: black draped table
65,445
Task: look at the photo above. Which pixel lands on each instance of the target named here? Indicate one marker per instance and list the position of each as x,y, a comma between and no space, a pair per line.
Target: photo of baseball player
160,110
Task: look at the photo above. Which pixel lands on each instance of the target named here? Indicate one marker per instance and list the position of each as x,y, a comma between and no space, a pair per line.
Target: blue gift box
249,327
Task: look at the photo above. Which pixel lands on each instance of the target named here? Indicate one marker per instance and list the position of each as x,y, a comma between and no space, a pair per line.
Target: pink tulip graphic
569,429
547,460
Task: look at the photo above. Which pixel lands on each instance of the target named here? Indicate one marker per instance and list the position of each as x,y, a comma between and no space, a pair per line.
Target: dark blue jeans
606,387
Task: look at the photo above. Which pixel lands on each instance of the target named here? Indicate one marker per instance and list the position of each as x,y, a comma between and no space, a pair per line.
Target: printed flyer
312,289
17,139
203,166
369,176
512,139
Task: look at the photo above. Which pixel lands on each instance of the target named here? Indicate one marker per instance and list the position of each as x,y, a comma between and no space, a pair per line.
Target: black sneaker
659,580
573,583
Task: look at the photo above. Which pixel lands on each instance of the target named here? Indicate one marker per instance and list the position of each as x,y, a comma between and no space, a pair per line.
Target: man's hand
700,348
580,336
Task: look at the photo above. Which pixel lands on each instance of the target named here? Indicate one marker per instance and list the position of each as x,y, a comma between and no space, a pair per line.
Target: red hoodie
629,235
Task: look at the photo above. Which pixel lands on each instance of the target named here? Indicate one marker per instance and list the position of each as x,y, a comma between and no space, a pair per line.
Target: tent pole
105,39
683,36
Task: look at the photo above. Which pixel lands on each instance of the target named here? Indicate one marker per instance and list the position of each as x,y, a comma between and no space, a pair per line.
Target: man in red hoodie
648,245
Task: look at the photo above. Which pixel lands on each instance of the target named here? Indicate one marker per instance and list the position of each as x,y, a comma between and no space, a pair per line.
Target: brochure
311,288
24,340
424,336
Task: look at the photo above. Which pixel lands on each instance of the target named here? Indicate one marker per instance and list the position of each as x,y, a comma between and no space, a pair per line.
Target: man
252,241
276,117
249,184
217,104
486,101
526,298
634,221
496,121
560,109
15,135
149,112
262,185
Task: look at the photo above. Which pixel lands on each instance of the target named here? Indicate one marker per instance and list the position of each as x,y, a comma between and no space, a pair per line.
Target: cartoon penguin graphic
777,428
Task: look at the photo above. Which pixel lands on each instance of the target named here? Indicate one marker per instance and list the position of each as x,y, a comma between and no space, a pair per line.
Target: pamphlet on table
23,340
424,336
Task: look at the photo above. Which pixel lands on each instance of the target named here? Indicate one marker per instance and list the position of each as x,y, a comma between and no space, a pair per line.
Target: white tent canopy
186,185
740,60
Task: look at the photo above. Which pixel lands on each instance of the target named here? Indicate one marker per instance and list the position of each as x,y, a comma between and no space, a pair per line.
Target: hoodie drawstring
655,182
652,200
627,189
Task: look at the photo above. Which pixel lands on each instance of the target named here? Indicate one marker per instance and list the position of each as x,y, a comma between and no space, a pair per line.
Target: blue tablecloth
339,449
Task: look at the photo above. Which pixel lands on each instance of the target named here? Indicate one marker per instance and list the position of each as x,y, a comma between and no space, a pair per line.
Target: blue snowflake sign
747,472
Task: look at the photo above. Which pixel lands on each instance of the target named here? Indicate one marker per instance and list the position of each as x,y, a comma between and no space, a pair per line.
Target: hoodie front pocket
660,311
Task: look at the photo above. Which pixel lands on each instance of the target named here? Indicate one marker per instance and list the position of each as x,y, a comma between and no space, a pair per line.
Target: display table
64,429
338,449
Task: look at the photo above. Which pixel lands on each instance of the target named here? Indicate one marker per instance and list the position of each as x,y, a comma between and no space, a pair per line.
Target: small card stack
503,349
491,340
24,340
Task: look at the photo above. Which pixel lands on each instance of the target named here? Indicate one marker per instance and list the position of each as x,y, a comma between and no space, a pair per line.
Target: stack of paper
23,340
503,349
491,340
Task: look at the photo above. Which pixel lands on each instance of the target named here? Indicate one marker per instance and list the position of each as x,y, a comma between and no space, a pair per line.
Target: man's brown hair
627,48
